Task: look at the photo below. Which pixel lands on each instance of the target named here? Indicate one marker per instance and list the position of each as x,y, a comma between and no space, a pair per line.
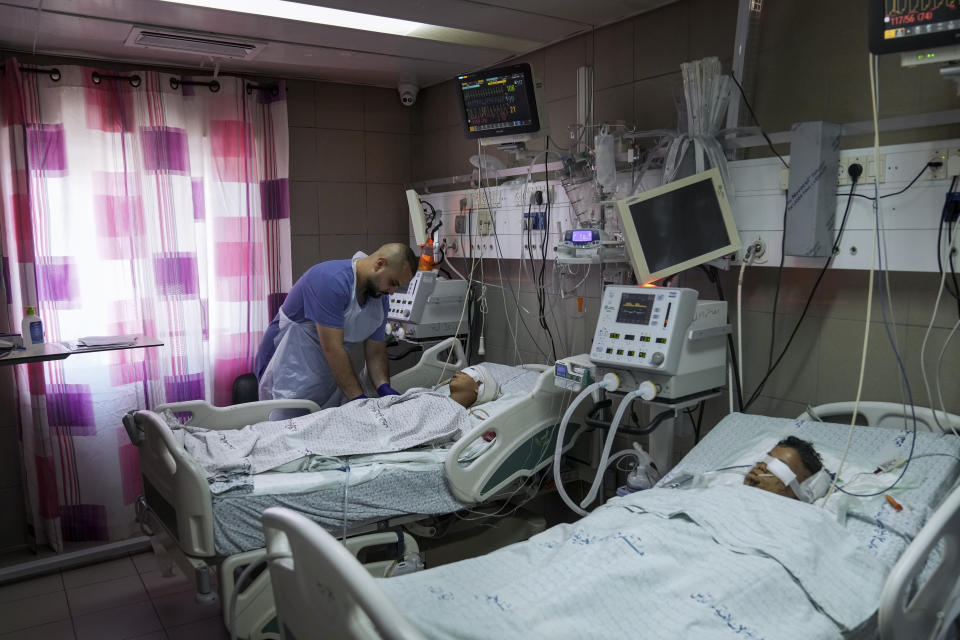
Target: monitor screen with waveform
499,102
906,25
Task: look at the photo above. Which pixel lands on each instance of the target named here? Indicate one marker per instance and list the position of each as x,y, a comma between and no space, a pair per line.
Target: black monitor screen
499,102
635,308
905,25
679,225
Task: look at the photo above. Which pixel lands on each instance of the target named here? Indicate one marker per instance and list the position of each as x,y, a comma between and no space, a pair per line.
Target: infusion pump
430,307
665,335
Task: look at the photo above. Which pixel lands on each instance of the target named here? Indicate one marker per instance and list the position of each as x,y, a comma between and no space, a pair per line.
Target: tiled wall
350,155
811,64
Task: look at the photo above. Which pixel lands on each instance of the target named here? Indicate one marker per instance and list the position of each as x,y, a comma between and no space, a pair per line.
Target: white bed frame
177,510
349,601
932,610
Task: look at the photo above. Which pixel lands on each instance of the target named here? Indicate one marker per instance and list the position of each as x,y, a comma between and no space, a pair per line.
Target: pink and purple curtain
159,209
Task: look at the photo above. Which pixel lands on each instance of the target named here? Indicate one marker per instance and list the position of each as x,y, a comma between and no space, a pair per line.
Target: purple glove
362,396
386,390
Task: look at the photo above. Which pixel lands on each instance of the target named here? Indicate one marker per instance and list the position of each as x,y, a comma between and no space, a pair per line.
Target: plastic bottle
32,328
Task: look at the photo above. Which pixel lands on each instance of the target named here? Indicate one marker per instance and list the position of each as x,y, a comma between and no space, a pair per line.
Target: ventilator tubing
608,445
610,382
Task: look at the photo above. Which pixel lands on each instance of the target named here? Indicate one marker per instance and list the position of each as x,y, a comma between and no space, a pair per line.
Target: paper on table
106,341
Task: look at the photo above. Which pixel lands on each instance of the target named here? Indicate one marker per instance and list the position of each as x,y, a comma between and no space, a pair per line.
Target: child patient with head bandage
792,468
472,386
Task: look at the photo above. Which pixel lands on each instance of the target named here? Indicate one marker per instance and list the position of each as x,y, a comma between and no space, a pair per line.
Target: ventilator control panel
643,327
430,307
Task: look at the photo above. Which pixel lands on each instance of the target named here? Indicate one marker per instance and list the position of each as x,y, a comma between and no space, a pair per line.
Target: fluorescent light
309,13
301,12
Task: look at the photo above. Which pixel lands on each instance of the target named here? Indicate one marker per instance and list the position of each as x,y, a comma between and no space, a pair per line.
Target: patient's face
759,476
464,386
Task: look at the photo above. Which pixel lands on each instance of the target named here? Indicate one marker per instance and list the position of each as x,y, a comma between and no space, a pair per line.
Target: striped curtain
133,205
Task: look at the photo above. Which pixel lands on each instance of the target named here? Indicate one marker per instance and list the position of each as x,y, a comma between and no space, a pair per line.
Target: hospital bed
201,531
513,592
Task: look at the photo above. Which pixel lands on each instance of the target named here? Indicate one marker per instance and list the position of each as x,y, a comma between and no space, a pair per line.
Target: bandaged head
488,388
813,488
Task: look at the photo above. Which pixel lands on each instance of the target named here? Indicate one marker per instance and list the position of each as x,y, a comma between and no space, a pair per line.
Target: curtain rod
135,80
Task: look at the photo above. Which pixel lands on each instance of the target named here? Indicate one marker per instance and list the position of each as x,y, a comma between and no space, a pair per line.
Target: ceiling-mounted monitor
916,29
500,105
678,226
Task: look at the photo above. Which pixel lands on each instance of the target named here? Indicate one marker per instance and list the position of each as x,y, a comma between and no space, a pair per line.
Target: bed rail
932,610
175,487
435,365
314,577
525,437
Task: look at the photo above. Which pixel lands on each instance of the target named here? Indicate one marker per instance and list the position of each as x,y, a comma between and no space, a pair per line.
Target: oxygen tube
610,382
647,390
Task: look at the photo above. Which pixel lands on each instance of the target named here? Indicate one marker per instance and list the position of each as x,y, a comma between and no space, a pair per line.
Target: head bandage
809,490
488,389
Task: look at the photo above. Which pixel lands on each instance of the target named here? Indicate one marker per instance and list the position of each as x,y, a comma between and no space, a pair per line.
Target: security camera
408,93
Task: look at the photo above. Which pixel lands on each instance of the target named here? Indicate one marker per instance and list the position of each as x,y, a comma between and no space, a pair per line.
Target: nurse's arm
378,366
331,341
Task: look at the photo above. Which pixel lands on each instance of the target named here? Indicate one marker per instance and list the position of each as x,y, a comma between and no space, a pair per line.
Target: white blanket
724,562
377,425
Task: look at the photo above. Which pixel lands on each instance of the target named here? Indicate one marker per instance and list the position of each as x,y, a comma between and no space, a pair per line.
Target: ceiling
97,29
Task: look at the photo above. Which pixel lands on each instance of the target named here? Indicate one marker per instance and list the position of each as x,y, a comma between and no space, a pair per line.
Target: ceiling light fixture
302,12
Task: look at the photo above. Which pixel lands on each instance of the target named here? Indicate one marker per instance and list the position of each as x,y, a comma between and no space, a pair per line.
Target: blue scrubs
323,295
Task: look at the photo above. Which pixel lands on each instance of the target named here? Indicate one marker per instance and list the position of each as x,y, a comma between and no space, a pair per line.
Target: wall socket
869,169
485,221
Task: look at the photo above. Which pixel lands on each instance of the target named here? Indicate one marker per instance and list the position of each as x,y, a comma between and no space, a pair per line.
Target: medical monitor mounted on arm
500,105
678,226
920,31
417,219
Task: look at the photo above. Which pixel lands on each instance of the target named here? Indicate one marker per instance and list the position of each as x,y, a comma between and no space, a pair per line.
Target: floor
119,599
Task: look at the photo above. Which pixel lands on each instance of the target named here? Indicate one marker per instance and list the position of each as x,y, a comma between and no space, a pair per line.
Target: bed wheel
206,598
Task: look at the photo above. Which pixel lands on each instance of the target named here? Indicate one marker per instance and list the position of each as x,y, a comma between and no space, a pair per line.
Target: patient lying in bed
376,425
792,468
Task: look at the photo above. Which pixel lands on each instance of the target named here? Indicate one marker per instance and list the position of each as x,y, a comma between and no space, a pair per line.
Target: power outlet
460,224
869,169
953,163
485,221
939,173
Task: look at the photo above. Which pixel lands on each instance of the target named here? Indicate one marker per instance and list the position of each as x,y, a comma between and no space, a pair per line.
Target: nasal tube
610,382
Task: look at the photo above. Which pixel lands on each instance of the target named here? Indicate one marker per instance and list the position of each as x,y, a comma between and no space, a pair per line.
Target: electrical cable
757,122
776,291
806,307
747,260
943,350
947,212
923,349
931,163
713,276
873,260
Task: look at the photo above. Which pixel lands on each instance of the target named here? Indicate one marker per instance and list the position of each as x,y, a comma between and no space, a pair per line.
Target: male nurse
333,318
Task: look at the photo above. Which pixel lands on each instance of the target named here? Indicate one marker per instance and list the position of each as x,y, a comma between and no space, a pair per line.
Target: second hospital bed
201,531
616,574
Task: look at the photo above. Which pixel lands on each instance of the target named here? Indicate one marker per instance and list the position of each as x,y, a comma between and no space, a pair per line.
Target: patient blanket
377,425
721,562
